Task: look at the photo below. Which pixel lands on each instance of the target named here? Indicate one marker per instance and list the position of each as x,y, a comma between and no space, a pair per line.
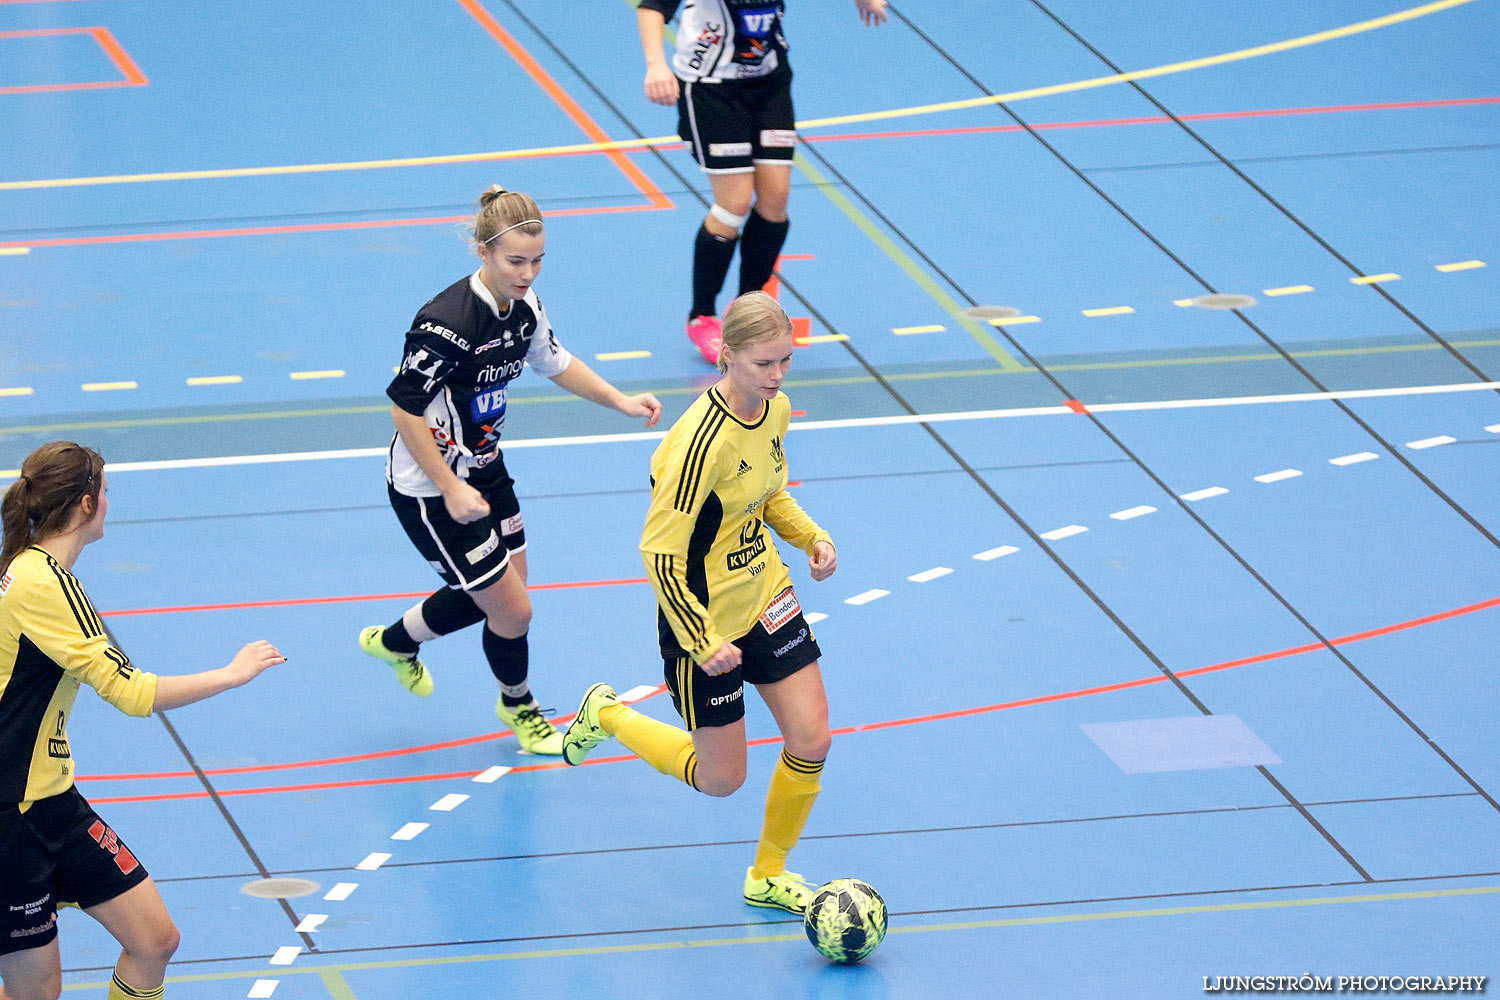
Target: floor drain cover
280,888
990,312
1224,301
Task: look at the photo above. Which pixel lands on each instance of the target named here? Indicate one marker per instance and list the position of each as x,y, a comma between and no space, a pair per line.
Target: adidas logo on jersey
744,468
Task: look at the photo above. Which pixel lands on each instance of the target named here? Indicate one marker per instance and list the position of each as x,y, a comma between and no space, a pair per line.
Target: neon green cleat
787,891
585,733
409,669
534,732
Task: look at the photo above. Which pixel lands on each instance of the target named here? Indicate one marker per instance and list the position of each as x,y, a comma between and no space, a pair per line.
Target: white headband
507,229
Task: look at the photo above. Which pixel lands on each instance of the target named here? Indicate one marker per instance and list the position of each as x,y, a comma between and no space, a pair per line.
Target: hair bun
495,191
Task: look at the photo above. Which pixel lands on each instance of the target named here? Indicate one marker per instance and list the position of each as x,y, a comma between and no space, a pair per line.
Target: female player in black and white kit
732,85
445,474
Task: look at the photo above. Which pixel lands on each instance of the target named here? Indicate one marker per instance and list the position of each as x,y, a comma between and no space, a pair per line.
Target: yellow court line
1184,303
215,380
20,390
1109,311
1374,279
923,109
330,373
621,355
824,338
1463,265
13,251
107,386
902,331
1287,290
1015,320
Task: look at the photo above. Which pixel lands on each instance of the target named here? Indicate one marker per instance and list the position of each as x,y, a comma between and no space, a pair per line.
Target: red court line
298,601
133,77
842,731
566,102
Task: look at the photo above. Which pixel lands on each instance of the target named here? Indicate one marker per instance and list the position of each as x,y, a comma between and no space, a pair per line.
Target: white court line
819,425
1357,457
1068,532
490,775
996,553
813,617
311,922
343,890
262,989
1431,442
448,802
1276,477
1129,512
373,861
410,831
638,692
1212,491
866,597
929,574
286,954
1493,428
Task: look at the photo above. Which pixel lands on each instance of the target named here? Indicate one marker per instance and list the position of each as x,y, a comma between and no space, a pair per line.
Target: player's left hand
871,12
644,405
823,561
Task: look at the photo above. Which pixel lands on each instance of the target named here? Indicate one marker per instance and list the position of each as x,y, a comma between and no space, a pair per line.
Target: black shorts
765,658
733,125
467,556
59,850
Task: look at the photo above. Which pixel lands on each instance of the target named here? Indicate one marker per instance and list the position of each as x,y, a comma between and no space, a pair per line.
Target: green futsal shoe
786,891
409,669
534,732
585,733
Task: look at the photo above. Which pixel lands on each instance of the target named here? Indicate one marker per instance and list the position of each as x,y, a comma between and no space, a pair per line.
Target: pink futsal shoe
706,333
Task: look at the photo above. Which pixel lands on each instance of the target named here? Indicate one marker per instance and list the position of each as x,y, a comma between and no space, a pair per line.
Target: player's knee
158,943
49,987
722,782
730,213
771,206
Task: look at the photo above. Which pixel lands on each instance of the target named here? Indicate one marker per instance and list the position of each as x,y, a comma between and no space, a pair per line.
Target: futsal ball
845,920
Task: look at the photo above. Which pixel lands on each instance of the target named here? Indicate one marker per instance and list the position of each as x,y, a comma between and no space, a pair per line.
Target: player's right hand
661,85
725,660
251,660
465,504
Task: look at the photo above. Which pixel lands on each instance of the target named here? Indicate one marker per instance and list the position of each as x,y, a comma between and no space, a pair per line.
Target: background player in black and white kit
732,85
445,474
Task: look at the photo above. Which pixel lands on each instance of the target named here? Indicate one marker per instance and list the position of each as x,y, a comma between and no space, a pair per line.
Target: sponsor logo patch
445,333
729,149
782,651
106,838
5,582
778,138
782,609
483,549
725,699
511,525
488,406
758,22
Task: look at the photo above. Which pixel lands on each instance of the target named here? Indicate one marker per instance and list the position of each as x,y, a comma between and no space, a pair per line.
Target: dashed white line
107,386
1130,512
448,802
490,775
1069,531
1463,265
410,831
1287,290
813,617
929,574
1204,494
866,597
372,862
637,693
311,922
1493,428
215,380
904,331
995,553
1374,279
1431,442
286,955
17,390
1276,477
343,890
621,355
1108,311
1358,456
262,989
326,373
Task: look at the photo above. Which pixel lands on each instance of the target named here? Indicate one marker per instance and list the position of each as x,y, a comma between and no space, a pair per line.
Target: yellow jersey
52,641
716,483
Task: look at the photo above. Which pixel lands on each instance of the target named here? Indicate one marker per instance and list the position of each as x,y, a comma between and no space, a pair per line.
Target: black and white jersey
461,353
726,39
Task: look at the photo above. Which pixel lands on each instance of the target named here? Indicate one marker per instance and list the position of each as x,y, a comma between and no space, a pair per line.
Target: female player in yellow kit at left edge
53,847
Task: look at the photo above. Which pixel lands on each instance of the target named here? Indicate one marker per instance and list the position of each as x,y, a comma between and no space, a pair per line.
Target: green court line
1082,366
622,949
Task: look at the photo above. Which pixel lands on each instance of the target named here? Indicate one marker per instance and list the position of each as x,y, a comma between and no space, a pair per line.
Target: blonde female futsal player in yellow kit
53,847
725,605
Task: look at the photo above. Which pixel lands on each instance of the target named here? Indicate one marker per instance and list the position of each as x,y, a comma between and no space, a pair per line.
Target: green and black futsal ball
846,920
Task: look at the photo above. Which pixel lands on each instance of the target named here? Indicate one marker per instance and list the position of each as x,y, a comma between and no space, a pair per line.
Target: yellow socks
118,990
789,800
664,747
